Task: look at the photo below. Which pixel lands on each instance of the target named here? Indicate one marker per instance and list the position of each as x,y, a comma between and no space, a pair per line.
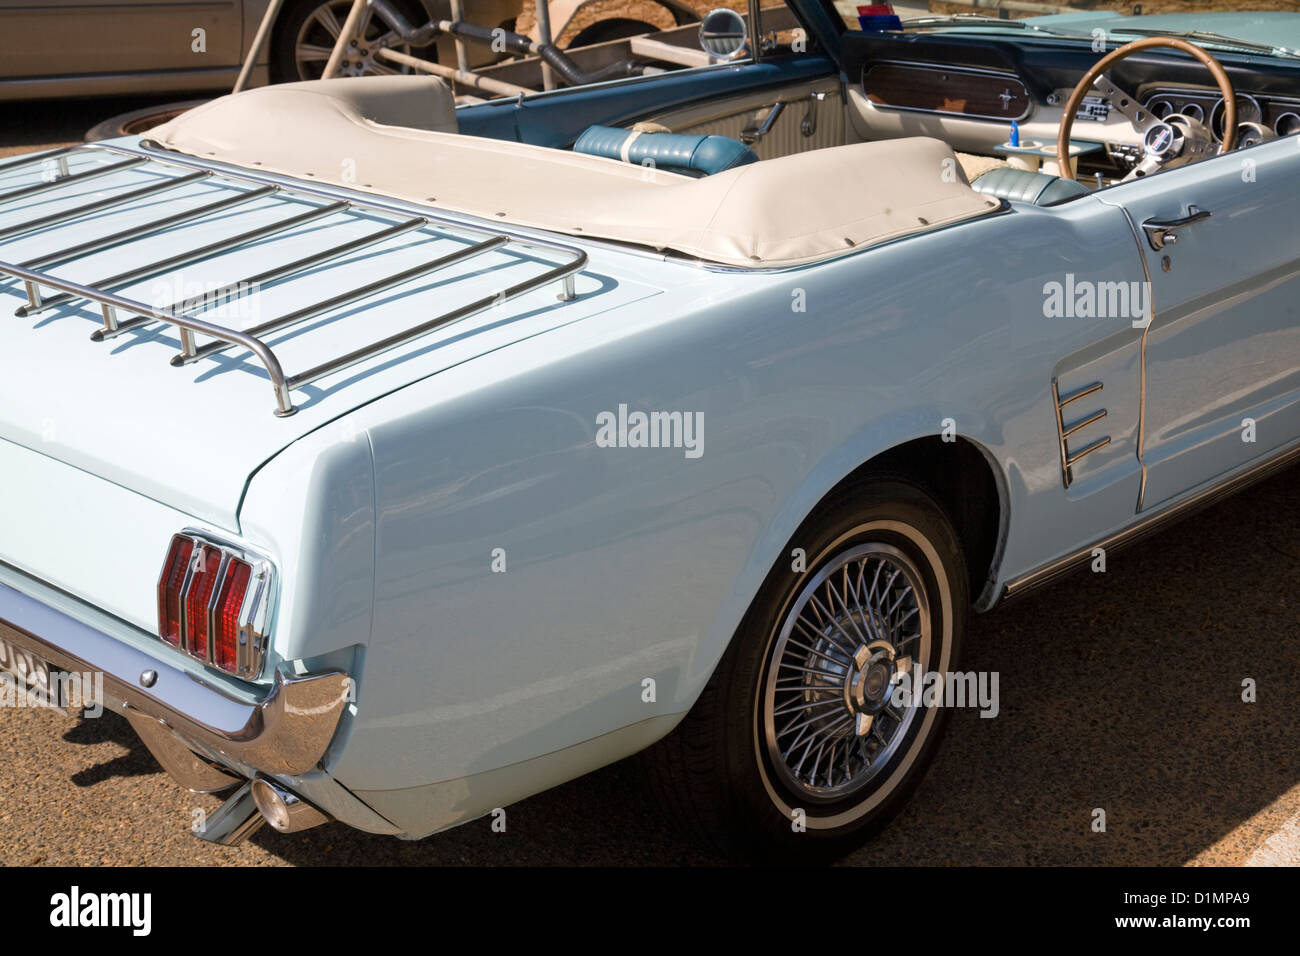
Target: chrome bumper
285,733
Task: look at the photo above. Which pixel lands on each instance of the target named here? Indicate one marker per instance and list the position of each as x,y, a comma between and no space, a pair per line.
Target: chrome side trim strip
1083,423
1090,448
1150,524
1142,357
285,733
1070,459
1079,393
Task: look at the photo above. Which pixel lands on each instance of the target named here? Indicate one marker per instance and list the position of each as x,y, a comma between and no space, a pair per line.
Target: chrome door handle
1163,232
752,134
809,125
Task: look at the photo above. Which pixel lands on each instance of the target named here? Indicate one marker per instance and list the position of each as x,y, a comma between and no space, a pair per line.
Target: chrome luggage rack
178,313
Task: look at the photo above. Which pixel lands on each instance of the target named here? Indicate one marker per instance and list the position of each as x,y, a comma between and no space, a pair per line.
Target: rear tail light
225,620
205,569
169,589
214,602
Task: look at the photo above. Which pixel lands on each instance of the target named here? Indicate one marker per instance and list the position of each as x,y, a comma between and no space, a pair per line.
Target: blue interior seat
693,155
1023,185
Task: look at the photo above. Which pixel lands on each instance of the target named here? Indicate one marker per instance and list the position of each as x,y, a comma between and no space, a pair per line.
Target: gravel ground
1118,690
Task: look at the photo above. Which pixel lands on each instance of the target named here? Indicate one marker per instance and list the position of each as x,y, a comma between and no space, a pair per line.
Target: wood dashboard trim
905,93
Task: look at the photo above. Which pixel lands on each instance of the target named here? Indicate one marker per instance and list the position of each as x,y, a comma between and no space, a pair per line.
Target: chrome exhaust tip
285,811
236,820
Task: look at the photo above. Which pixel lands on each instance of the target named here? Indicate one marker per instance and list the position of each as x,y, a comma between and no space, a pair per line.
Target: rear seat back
691,155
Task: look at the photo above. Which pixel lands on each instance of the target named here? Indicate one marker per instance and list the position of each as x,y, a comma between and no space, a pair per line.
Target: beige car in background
58,48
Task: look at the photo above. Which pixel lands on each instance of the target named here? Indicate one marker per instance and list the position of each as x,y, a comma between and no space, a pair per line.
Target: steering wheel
1175,137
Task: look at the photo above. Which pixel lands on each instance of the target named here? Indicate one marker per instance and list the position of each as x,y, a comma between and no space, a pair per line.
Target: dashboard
1279,114
968,89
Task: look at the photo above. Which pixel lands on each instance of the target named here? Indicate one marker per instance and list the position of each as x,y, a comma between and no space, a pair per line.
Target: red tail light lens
205,568
169,589
225,637
207,590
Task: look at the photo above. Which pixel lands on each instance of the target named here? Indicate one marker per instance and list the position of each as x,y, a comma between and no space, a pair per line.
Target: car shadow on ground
136,762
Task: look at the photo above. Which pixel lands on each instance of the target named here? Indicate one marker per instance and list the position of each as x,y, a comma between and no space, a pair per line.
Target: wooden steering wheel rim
1114,56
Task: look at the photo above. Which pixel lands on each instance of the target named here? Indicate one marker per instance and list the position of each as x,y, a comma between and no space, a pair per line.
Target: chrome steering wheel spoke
1140,118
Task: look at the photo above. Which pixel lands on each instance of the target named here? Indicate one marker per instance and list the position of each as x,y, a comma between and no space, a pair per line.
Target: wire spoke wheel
810,735
830,718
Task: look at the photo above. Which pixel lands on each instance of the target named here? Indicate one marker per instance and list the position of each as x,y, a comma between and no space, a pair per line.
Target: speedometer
1248,111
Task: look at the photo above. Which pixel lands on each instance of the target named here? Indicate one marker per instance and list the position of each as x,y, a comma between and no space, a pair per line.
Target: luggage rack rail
102,292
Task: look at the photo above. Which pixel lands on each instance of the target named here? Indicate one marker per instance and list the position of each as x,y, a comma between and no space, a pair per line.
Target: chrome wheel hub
869,684
830,720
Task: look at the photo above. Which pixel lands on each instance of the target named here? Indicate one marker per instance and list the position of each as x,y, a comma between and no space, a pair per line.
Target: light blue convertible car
393,461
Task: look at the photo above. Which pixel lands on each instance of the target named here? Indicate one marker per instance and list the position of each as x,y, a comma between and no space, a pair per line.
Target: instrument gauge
1287,124
1248,111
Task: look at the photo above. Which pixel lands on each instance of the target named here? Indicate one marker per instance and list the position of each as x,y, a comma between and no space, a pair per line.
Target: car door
71,37
1222,352
774,123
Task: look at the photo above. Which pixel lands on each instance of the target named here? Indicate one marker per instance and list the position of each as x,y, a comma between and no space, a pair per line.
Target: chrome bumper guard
286,733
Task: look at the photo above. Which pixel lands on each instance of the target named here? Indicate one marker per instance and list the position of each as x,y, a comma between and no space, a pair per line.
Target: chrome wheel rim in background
318,33
860,624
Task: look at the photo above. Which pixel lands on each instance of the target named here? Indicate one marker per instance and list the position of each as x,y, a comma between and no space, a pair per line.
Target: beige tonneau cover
396,136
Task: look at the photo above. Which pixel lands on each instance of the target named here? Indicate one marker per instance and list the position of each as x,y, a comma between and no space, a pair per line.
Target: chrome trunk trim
94,173
482,239
36,158
141,232
181,258
85,209
352,295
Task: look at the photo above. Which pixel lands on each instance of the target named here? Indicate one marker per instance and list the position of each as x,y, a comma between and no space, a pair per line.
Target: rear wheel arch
720,774
964,478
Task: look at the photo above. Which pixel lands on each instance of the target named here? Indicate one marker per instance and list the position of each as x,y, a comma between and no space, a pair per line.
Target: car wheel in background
306,32
138,121
799,749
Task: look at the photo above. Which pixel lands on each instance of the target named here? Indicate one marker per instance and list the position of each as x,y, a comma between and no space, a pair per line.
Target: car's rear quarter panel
624,564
